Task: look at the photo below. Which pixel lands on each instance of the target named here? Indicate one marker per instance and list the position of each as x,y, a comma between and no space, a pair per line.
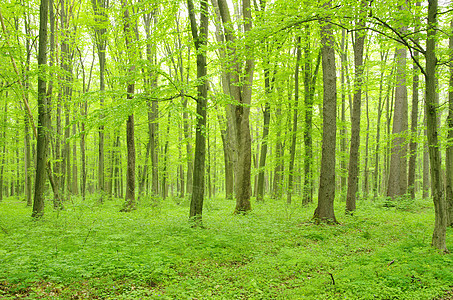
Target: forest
226,149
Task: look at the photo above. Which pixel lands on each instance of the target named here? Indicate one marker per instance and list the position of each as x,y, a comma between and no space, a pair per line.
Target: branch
24,98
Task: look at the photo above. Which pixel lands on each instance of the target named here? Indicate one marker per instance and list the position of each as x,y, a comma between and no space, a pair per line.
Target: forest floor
93,251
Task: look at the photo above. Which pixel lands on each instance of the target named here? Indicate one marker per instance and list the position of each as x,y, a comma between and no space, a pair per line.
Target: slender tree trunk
165,173
326,194
130,139
100,28
365,189
27,141
200,38
355,116
381,104
294,129
264,142
42,141
413,143
2,167
74,188
309,85
343,131
279,152
440,207
449,150
426,172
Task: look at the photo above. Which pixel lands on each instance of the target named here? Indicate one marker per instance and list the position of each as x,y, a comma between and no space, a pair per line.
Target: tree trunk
74,186
326,194
355,116
440,207
381,104
294,129
365,188
343,130
42,141
279,152
241,92
397,180
100,28
414,118
4,127
264,142
129,203
309,86
165,167
449,150
200,38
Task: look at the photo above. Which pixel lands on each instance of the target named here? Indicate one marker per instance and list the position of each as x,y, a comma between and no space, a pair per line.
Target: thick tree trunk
437,189
240,90
42,141
326,194
397,179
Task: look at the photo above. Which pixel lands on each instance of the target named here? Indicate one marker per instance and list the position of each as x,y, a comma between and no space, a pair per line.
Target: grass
93,251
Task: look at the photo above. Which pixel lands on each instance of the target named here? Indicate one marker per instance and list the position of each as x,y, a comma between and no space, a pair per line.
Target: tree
100,29
130,139
294,129
42,141
310,77
449,150
440,208
359,42
414,118
397,180
200,38
326,194
241,92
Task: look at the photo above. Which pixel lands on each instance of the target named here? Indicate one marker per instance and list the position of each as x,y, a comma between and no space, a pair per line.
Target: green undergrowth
93,251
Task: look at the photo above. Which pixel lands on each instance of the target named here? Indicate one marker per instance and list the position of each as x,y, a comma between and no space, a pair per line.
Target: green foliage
91,250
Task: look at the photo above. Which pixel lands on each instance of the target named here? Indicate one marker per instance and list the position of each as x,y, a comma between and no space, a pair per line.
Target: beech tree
241,92
326,195
43,119
359,42
200,38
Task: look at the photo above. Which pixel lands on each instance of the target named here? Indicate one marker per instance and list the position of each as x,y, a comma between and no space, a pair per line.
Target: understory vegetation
93,251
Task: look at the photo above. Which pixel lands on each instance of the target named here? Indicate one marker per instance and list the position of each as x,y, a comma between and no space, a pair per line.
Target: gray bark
42,141
326,194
